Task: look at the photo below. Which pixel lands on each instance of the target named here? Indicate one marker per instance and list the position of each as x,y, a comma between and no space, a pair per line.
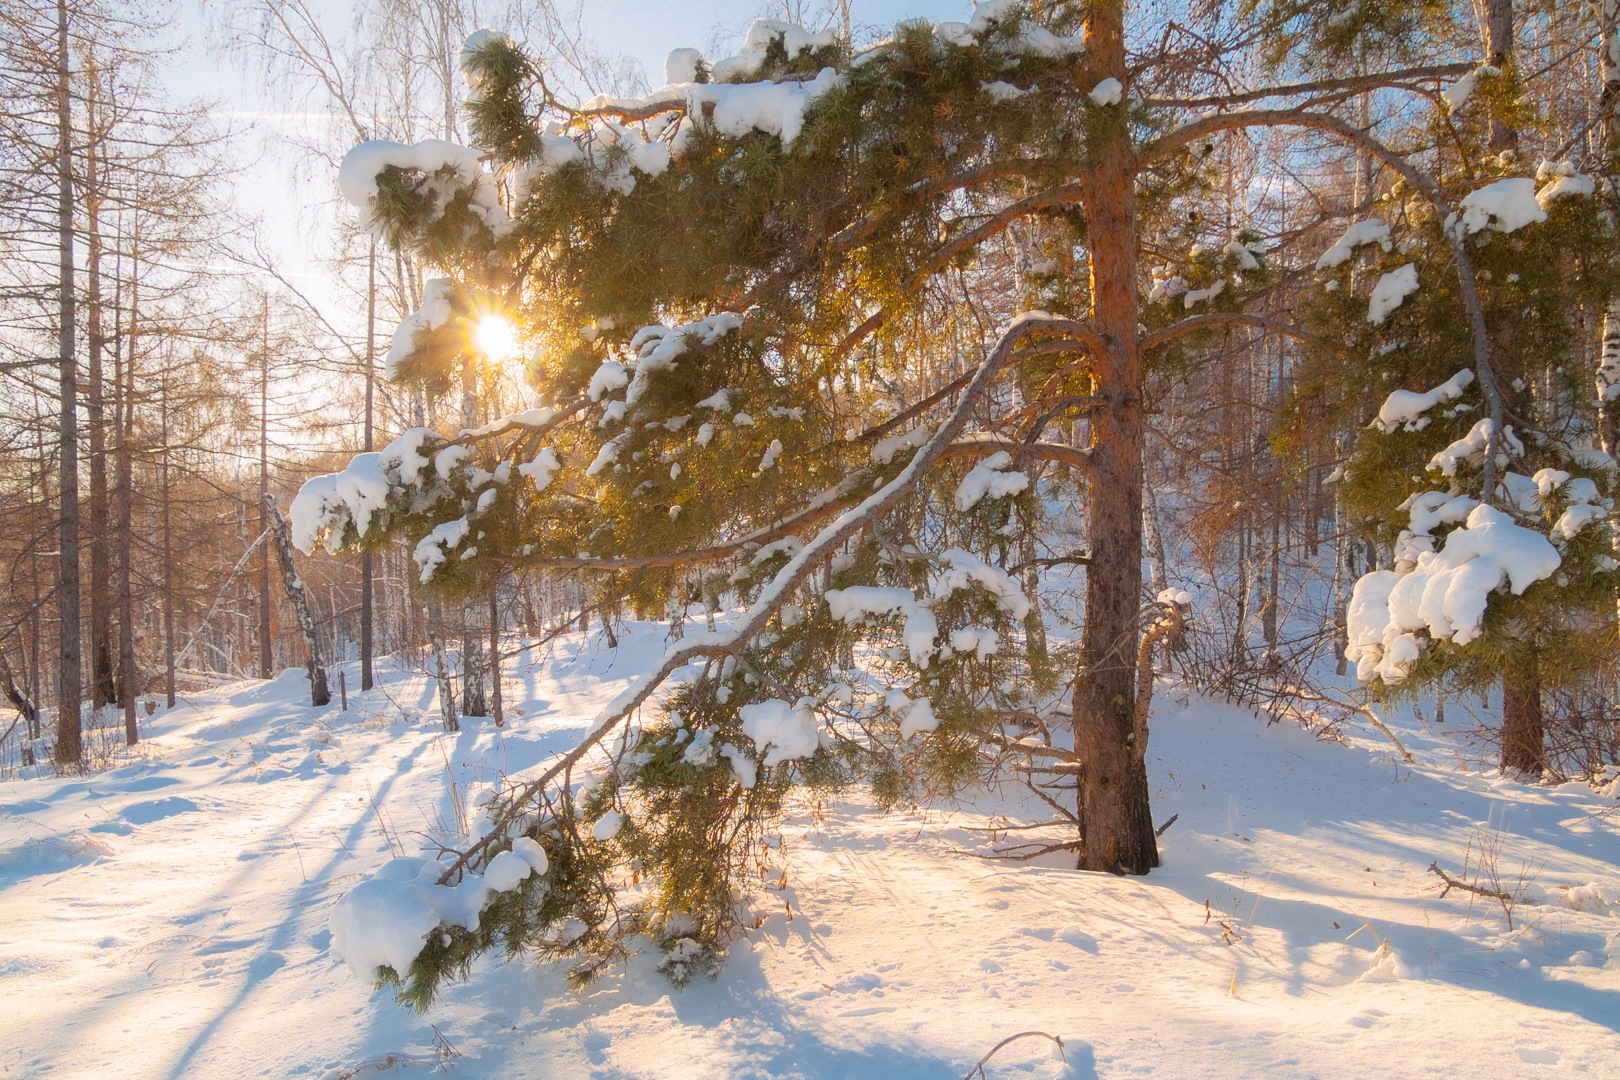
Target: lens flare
495,337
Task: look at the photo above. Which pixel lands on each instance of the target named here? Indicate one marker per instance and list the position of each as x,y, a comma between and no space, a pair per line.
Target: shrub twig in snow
978,1070
1501,896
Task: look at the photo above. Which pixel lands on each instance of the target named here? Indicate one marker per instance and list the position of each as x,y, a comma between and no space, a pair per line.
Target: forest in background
202,377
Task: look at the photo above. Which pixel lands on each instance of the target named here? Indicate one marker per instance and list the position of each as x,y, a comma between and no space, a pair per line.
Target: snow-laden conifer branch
1223,318
1084,343
1350,84
864,227
776,593
1066,195
1073,456
1180,137
533,423
822,506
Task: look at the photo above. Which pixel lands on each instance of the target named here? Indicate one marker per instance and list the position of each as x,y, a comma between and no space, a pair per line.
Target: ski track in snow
168,918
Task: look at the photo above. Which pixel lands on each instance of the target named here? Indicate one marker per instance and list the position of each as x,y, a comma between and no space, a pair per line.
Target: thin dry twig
978,1070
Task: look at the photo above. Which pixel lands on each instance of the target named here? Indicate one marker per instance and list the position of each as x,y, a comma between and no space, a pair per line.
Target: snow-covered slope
168,918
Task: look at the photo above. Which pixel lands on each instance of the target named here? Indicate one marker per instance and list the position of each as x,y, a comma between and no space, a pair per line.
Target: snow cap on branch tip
762,33
1108,92
1368,231
682,66
1444,595
989,479
1505,205
434,159
470,60
1391,292
781,732
1406,407
1473,445
1031,39
437,308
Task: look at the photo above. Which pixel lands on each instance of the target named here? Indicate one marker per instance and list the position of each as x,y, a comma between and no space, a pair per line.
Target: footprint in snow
1366,1018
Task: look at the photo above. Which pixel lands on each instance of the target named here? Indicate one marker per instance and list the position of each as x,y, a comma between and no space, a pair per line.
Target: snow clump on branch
989,480
1108,92
1370,231
1406,408
384,921
1391,292
435,312
328,506
1505,205
446,168
1444,595
780,731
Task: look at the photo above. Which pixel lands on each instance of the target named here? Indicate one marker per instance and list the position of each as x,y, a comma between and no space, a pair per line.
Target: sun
495,337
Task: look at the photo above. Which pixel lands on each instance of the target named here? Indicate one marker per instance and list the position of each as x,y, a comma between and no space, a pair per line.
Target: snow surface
169,917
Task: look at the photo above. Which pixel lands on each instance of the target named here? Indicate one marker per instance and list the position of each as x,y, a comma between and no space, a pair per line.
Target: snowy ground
168,918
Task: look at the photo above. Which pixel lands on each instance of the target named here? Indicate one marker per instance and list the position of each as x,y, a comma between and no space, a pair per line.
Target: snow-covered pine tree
1480,473
719,285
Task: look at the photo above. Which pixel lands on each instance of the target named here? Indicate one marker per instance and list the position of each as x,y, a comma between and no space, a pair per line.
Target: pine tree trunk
1115,817
319,693
1499,48
70,690
1524,746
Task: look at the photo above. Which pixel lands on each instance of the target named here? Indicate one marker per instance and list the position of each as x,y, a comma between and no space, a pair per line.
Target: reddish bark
1115,816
